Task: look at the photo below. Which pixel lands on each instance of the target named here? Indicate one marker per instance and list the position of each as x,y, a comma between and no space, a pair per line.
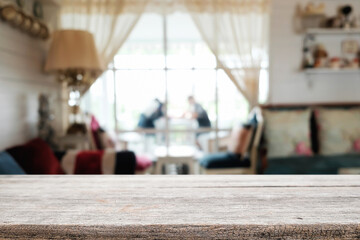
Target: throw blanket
98,162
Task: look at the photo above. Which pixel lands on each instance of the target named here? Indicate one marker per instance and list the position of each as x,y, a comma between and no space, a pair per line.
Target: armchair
231,163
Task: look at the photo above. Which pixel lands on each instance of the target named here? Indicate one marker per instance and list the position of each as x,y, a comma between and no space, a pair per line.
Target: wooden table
182,207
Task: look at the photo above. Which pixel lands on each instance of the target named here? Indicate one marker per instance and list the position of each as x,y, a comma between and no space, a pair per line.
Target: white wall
21,81
287,83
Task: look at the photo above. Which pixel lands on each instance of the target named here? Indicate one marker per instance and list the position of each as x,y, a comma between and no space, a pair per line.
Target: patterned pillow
287,133
339,130
95,133
240,139
105,140
36,157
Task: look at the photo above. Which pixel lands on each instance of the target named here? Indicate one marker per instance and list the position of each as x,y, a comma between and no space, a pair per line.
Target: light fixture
74,58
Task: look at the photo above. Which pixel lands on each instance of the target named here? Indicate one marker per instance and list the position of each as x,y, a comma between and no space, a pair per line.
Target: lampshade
72,49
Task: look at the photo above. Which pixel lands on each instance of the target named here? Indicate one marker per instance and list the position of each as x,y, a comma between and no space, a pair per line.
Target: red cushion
357,145
36,157
142,163
94,124
95,127
88,162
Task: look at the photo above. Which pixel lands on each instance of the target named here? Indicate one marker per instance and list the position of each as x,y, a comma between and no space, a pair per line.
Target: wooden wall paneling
21,81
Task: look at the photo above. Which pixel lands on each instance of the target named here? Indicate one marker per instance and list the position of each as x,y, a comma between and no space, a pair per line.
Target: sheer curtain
235,30
110,21
237,33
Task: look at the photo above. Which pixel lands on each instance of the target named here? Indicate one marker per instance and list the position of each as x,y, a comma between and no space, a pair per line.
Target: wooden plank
20,43
163,207
283,232
14,67
22,79
19,111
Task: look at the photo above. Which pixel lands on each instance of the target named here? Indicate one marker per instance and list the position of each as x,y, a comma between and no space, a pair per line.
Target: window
164,58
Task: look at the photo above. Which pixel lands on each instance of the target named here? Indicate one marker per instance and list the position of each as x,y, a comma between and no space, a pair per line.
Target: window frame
167,130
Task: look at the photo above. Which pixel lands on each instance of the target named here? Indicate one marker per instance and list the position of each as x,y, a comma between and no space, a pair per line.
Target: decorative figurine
46,131
347,20
320,56
335,63
308,58
313,16
354,64
311,9
344,18
334,22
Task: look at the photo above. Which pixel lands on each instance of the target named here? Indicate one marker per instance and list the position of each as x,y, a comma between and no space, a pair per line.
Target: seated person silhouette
196,111
152,112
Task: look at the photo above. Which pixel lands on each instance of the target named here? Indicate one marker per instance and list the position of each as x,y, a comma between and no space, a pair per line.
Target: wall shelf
314,74
312,33
332,31
331,71
25,22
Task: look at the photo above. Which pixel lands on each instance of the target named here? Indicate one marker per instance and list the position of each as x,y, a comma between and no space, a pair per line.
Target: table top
239,207
175,151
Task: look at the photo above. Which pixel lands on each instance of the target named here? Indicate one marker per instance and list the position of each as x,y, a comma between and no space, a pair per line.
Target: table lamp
74,59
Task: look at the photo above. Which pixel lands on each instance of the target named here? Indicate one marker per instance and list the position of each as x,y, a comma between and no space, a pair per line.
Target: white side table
176,155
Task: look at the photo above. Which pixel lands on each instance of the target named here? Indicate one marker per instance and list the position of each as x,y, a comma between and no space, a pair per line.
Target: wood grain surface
182,207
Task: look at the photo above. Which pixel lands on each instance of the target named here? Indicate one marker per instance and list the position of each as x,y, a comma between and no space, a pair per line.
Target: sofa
310,139
36,157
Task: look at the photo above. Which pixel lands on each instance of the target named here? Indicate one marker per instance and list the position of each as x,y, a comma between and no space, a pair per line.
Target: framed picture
38,10
350,46
20,3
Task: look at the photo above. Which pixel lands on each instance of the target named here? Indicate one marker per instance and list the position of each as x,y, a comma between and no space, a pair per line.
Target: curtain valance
115,7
